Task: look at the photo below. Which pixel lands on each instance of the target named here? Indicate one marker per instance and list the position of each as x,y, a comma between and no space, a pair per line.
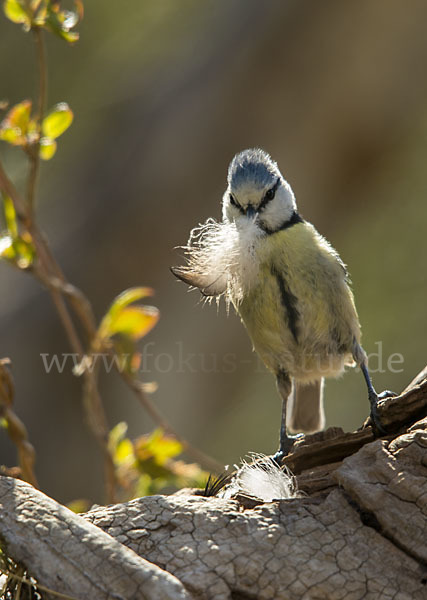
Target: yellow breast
300,313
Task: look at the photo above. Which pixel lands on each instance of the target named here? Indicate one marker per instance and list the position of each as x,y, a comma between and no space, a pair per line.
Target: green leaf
128,297
19,115
47,148
16,11
20,251
78,506
131,322
24,251
60,22
40,12
12,135
157,446
10,216
116,435
124,452
120,447
134,322
57,121
164,446
14,127
69,36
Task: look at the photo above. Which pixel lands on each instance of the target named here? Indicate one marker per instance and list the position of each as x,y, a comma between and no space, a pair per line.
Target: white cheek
228,211
279,210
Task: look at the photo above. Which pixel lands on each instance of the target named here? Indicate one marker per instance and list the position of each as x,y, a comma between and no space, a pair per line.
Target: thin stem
99,426
9,189
42,63
15,427
92,402
80,304
64,315
34,155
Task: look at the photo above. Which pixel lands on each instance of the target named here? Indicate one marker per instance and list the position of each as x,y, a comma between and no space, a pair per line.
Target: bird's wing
209,285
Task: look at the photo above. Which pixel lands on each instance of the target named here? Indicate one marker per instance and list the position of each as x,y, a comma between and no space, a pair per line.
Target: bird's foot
286,444
386,394
373,400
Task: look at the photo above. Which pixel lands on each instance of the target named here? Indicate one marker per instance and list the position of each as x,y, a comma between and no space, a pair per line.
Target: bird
288,285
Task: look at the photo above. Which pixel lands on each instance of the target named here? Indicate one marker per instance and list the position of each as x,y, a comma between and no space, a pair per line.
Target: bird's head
257,191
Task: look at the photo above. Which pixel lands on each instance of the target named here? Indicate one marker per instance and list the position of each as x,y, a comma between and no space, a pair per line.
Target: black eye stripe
234,203
269,195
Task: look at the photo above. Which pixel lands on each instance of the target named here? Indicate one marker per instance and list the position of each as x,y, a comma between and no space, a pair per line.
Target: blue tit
287,283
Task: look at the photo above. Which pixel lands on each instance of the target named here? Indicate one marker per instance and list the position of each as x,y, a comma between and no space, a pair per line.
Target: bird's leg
284,385
374,397
360,358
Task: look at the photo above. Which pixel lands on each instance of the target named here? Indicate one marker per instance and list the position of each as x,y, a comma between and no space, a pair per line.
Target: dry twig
48,272
15,427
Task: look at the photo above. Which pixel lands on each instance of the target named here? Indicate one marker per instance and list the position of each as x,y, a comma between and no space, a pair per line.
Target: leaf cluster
20,128
150,463
46,14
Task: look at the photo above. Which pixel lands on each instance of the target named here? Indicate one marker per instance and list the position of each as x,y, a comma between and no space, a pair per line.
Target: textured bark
361,533
70,555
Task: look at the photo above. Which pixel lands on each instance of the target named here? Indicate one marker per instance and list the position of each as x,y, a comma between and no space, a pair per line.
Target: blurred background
164,94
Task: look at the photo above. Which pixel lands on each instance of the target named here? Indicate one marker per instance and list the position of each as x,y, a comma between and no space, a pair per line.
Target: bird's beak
251,213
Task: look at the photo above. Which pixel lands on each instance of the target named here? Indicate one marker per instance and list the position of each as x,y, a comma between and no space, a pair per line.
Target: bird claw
286,445
278,457
376,421
373,399
386,394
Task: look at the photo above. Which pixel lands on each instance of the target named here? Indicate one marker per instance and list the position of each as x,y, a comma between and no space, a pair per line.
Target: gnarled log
361,532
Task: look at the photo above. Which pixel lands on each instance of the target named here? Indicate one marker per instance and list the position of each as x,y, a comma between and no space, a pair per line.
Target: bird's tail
305,412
